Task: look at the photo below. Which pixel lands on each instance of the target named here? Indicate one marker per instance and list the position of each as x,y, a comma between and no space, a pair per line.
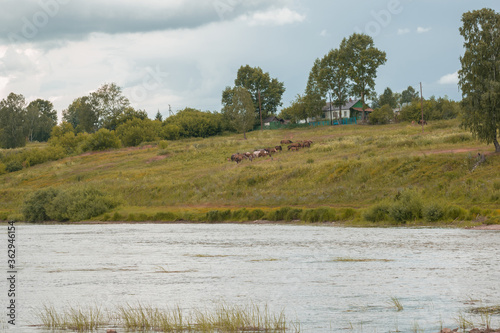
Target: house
273,119
352,109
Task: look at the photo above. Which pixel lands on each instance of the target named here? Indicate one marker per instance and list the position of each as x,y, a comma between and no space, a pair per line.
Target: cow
286,142
278,148
294,146
420,122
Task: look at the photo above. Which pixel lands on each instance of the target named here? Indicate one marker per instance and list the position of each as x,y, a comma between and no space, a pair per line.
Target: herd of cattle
238,157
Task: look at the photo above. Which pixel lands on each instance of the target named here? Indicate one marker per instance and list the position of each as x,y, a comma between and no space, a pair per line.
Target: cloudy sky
183,53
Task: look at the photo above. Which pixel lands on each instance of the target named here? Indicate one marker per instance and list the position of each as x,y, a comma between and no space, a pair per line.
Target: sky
184,53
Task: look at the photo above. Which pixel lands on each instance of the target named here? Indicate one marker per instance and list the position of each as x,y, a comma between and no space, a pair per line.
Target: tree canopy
479,77
240,112
12,121
365,60
255,81
347,71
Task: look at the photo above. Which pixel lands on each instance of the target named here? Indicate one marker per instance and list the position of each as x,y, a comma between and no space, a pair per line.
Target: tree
40,119
364,62
158,116
12,121
389,98
334,76
108,103
381,115
297,111
479,77
82,115
408,95
313,97
240,112
256,81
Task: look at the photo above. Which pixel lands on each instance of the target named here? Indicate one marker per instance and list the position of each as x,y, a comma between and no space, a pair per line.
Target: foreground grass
348,169
224,318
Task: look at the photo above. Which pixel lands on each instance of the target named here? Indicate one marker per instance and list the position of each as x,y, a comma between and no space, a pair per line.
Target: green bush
240,215
35,207
78,204
256,214
3,168
14,166
218,216
136,131
408,206
101,140
165,216
319,215
381,115
348,214
377,213
455,213
433,212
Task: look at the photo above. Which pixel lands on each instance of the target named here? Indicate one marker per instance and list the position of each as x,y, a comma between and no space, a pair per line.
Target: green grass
142,318
348,169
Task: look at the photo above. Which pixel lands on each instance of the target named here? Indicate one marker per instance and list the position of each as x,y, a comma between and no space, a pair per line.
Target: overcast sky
185,52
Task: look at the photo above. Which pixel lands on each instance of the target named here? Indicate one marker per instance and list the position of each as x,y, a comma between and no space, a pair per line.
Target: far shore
494,227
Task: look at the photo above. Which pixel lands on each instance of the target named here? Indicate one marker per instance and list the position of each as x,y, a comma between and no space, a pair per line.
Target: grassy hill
352,170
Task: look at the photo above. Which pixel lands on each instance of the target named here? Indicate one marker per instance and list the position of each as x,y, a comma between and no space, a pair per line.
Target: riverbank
338,224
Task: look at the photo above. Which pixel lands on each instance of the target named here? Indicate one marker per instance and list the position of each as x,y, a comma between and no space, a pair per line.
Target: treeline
410,107
102,120
21,122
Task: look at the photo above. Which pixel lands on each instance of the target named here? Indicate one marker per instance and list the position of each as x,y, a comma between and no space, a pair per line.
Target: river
330,279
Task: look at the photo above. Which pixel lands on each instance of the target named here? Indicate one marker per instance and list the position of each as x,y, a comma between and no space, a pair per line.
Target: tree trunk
497,145
244,135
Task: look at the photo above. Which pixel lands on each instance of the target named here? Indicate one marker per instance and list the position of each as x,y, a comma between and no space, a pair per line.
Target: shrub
240,215
13,166
255,214
137,131
218,216
377,213
408,206
35,207
3,168
319,215
278,215
171,132
348,214
381,115
79,204
165,216
101,140
163,144
433,212
455,212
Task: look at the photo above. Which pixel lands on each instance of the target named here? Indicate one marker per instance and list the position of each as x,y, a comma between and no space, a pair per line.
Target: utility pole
422,106
260,112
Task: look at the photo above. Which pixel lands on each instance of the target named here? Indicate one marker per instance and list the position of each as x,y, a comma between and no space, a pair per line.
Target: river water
330,279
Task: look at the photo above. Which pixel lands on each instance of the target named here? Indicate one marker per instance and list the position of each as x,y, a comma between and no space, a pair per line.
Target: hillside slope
346,167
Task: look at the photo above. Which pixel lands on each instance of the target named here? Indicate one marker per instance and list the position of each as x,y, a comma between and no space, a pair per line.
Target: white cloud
449,78
323,33
403,31
422,30
276,17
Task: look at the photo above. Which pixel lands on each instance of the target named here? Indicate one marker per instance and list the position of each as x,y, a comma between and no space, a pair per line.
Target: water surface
303,269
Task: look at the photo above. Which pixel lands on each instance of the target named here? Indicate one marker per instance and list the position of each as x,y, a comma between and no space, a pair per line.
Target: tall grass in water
75,319
396,304
224,318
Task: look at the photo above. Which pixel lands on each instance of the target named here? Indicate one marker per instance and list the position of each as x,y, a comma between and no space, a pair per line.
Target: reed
139,317
396,304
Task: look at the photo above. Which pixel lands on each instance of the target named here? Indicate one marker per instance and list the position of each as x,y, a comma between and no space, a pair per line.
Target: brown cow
294,146
278,148
286,142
